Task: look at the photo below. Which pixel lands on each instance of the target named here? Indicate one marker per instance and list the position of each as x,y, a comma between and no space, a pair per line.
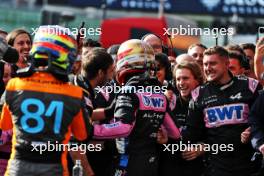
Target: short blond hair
193,67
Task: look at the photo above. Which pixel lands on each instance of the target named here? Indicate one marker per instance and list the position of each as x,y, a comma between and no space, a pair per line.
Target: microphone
7,53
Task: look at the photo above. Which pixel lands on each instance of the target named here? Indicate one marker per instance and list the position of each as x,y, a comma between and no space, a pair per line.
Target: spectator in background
235,63
84,47
88,44
163,68
184,58
235,48
244,61
249,50
21,40
154,41
164,76
196,51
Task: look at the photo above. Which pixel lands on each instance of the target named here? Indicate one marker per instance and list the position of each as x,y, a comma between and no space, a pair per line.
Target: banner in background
249,8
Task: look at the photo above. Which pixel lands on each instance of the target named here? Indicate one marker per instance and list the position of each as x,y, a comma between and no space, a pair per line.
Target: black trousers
137,165
170,163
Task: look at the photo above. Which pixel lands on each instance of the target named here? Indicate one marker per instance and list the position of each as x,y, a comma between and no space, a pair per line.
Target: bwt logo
224,113
155,102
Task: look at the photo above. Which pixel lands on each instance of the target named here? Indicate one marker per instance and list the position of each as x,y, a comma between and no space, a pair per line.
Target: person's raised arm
258,60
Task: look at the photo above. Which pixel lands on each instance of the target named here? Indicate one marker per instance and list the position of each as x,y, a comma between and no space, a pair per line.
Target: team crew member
188,76
196,51
21,40
257,126
218,114
164,75
256,113
104,95
154,41
41,107
138,114
97,69
236,63
238,58
249,50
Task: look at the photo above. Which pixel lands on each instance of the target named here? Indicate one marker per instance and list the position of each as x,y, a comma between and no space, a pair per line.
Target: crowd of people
60,91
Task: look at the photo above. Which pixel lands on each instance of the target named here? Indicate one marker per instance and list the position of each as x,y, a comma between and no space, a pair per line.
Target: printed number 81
55,106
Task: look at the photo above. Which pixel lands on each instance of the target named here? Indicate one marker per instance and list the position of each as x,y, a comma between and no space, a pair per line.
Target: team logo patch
155,102
237,96
227,114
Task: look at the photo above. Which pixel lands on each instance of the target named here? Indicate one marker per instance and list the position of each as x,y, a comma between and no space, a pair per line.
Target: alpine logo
237,96
210,4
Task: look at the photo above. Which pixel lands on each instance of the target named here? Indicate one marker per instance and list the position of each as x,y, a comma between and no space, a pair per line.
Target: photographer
7,54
